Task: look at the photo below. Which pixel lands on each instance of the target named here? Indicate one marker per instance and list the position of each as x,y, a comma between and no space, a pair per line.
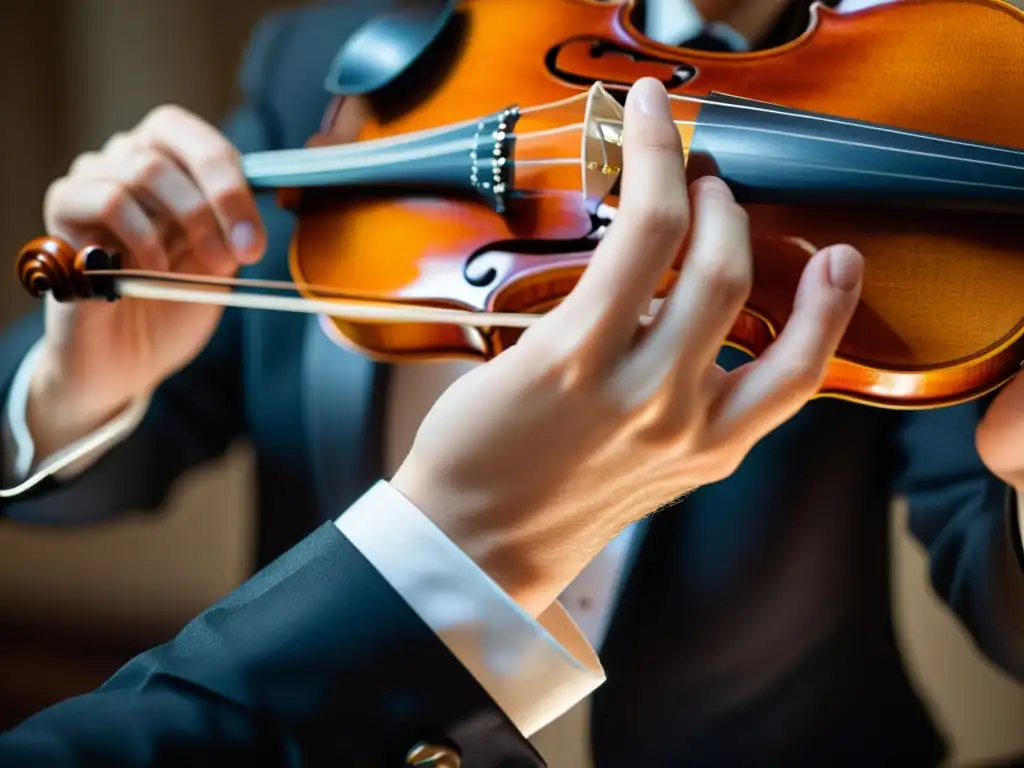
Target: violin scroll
51,265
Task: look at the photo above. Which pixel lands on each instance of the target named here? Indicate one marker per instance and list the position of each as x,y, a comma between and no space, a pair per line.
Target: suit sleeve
192,417
967,519
316,661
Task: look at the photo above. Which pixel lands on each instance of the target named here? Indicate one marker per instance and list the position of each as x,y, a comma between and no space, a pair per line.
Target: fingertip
845,268
248,258
247,241
251,257
242,236
649,97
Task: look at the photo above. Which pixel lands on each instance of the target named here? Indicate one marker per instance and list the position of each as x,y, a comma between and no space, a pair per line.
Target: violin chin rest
387,45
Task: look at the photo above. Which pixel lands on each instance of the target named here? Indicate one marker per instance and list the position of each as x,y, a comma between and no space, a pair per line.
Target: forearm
54,444
193,417
52,421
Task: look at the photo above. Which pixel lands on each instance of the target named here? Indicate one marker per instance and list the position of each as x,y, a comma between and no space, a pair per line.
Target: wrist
59,411
518,558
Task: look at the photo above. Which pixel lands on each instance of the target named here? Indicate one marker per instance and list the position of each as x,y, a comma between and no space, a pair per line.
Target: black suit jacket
756,622
315,661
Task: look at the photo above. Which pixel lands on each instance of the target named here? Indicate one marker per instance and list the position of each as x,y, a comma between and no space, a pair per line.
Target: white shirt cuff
535,670
19,447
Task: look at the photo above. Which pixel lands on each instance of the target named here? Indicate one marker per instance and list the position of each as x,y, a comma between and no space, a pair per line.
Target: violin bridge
601,150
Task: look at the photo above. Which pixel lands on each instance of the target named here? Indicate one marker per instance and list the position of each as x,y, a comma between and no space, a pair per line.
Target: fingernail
651,97
243,236
712,185
845,267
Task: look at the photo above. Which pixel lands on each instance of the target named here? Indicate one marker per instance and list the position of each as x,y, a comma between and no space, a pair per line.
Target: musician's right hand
168,195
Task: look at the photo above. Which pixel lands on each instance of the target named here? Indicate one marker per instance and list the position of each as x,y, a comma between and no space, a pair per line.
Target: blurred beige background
74,603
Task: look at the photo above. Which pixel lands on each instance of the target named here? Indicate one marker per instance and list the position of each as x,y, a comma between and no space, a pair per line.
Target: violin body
940,320
469,164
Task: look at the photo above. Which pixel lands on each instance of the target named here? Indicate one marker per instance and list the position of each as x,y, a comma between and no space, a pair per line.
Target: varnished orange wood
940,319
943,296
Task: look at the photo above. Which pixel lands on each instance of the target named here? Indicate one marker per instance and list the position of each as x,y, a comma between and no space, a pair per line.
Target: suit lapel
343,396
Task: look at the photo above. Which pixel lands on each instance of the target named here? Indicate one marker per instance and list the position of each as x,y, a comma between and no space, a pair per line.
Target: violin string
297,158
402,138
847,142
367,154
844,169
342,164
342,161
466,145
844,122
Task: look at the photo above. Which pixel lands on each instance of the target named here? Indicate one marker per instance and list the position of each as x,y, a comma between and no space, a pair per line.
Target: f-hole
585,60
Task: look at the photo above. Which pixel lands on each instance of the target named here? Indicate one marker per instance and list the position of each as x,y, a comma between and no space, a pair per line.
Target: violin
469,163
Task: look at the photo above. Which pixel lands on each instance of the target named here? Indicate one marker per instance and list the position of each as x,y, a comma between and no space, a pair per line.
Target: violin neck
473,158
772,154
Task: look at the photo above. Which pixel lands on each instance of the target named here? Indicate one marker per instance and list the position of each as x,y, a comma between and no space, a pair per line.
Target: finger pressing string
648,230
713,285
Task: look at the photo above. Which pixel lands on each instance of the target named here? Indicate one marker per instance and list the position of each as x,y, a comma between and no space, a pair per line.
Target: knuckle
725,272
652,216
148,167
83,163
117,143
218,165
200,223
666,430
52,199
567,367
165,116
567,370
801,375
114,199
668,421
56,189
657,138
230,197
